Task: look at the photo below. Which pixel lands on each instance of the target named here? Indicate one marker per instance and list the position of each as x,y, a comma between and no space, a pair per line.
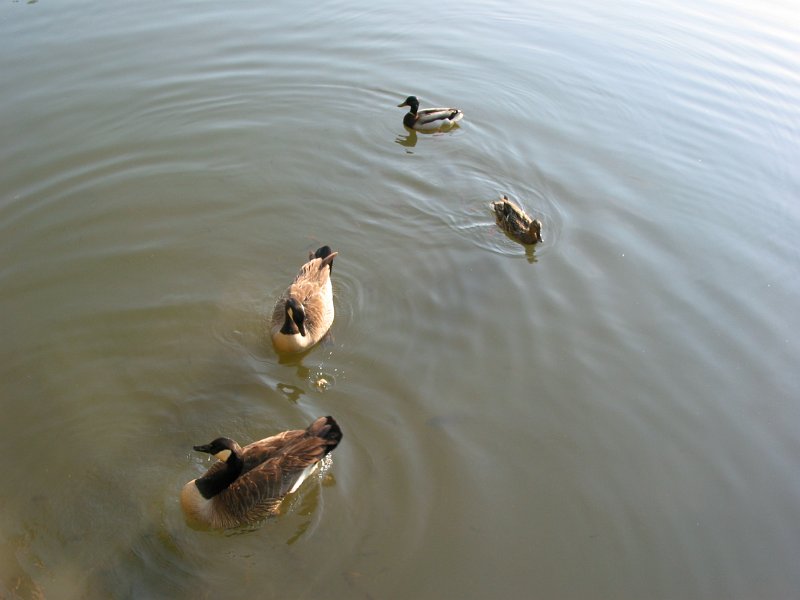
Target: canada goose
304,312
247,484
516,223
429,119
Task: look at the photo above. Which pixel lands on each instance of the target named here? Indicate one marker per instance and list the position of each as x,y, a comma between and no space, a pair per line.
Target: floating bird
516,223
429,119
304,312
247,484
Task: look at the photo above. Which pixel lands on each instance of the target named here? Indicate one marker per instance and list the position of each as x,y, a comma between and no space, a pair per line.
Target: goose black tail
328,429
323,253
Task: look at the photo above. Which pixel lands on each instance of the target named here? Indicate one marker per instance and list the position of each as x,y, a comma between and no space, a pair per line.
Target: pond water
614,413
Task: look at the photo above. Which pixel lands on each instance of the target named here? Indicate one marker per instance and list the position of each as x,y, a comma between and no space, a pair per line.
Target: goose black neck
289,327
211,485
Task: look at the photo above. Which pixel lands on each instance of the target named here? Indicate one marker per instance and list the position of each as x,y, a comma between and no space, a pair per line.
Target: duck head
412,103
535,231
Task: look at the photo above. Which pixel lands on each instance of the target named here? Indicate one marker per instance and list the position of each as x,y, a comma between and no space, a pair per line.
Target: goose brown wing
261,451
257,493
297,451
252,497
296,448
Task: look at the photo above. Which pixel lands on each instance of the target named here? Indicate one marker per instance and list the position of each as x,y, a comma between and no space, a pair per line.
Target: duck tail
327,429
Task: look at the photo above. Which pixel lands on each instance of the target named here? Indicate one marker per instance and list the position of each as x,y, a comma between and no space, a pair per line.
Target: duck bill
403,104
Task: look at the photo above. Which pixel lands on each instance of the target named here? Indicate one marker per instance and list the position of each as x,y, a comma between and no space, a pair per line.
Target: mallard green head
411,102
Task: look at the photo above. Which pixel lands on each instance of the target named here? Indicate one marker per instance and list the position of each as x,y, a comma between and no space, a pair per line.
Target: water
611,415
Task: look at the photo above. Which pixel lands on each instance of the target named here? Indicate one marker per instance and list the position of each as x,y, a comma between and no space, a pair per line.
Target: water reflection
308,507
318,377
292,392
409,140
530,254
296,359
293,360
530,250
16,576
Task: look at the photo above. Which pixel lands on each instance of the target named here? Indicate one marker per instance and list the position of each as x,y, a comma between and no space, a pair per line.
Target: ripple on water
470,215
476,221
144,194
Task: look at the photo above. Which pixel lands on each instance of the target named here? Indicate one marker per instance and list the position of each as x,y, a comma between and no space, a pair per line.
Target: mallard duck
247,484
429,119
304,312
516,223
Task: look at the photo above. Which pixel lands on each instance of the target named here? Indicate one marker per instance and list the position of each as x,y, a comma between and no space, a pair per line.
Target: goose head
295,318
230,453
221,448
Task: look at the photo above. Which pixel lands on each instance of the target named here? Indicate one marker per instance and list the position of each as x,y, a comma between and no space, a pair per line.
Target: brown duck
516,222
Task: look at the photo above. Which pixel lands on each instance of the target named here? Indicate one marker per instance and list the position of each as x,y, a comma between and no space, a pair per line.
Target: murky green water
614,415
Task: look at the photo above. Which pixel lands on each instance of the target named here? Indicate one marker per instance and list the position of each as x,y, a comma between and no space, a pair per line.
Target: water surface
613,414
